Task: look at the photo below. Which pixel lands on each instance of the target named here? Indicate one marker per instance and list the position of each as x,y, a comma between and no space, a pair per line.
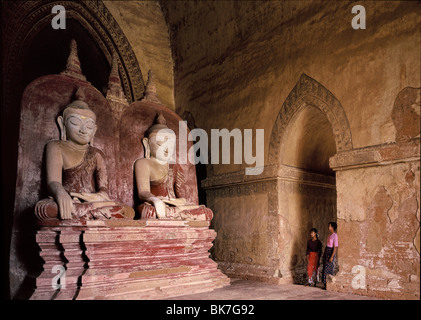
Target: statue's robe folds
90,176
171,187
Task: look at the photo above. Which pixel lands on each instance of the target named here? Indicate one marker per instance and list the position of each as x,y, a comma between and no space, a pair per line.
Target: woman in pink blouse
330,252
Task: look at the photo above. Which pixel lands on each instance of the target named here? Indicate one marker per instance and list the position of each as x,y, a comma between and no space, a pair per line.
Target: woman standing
330,252
314,252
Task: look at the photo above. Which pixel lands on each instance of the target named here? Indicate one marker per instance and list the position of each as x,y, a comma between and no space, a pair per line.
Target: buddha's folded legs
148,211
46,209
201,213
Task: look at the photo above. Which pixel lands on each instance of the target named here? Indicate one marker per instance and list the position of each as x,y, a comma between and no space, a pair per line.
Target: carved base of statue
47,209
125,259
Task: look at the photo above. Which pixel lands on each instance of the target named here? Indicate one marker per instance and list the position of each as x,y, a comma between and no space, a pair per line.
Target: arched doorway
309,143
311,127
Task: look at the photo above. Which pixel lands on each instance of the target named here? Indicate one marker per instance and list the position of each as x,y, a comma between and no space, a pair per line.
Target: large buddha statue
160,185
76,172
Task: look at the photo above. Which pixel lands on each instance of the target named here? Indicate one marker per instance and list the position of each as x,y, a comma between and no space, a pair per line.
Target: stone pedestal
119,259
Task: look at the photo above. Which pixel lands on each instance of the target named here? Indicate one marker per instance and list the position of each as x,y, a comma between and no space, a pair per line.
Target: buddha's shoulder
60,146
55,145
143,162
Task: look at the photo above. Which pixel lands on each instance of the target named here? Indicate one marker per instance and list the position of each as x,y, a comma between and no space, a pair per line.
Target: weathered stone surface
268,62
386,241
275,218
236,65
406,114
144,26
150,259
260,50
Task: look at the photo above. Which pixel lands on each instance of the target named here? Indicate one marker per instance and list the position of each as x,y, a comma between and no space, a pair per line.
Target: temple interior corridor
281,117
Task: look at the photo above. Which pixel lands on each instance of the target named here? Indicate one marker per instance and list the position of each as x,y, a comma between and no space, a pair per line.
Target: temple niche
93,210
86,225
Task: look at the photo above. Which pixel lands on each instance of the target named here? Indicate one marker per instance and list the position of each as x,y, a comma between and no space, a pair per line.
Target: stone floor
253,290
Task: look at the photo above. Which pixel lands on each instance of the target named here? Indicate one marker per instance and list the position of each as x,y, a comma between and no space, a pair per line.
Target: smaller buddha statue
161,185
76,171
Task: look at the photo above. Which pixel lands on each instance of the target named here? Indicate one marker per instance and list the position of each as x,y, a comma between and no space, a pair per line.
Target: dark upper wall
237,61
144,26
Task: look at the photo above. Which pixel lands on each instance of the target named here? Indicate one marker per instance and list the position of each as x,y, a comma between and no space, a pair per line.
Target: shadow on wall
312,200
316,207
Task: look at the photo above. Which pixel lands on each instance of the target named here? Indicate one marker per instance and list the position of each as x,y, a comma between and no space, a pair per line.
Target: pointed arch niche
93,27
311,127
309,92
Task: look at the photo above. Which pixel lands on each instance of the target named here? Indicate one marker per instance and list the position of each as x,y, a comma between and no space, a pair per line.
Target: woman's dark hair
334,225
315,231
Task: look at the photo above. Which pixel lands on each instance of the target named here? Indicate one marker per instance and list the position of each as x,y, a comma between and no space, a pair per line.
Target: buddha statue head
78,123
159,141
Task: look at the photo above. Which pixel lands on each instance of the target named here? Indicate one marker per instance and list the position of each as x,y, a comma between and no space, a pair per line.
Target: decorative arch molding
311,93
27,18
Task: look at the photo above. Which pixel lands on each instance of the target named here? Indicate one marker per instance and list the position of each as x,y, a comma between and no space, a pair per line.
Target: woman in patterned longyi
330,252
314,252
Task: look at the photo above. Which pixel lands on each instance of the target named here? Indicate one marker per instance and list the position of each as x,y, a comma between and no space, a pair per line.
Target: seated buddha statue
160,185
77,179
